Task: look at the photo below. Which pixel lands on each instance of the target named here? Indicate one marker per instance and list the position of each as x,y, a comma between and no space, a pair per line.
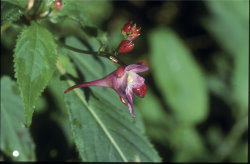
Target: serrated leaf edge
16,74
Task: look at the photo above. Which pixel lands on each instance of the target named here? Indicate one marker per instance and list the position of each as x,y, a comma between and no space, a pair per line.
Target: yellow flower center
130,78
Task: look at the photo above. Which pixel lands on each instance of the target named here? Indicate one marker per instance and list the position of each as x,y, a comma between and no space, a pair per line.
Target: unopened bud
126,46
141,91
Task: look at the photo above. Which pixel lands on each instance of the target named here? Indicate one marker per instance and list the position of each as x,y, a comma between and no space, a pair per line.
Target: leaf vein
99,122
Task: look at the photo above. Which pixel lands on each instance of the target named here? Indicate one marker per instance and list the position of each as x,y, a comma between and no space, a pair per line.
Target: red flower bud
126,46
141,91
58,4
130,31
119,71
127,28
137,31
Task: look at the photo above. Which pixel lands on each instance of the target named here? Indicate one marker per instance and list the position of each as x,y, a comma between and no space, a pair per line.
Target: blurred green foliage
229,24
196,106
14,136
178,76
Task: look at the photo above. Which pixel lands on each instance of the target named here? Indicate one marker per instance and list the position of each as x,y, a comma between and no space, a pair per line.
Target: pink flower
124,80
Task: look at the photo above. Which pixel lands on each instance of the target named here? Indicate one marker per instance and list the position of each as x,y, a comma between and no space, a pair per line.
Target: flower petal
137,67
129,96
137,80
120,85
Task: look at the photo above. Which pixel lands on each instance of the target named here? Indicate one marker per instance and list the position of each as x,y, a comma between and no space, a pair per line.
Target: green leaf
231,141
20,3
10,13
61,114
87,12
178,77
229,25
151,108
188,144
184,141
114,32
67,64
14,136
240,153
100,122
41,7
157,122
8,38
107,130
35,58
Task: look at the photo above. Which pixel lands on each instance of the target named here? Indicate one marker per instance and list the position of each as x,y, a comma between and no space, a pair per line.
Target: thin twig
100,53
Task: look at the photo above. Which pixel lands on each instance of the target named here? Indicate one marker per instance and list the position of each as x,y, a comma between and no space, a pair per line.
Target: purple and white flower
125,81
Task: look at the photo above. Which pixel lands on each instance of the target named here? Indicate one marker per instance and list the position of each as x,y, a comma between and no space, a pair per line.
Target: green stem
100,53
229,143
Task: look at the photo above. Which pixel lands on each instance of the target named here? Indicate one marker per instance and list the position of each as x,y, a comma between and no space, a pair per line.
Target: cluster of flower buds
130,33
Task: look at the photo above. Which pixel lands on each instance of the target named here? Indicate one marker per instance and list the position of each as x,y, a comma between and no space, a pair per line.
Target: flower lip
141,91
